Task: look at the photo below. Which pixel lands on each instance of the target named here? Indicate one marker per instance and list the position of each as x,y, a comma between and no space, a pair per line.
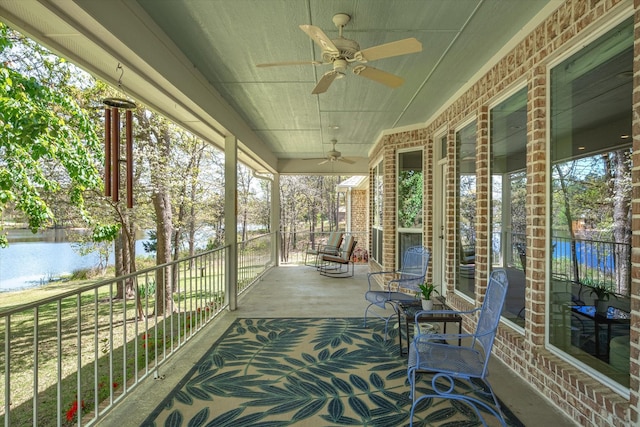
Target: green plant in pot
602,293
426,290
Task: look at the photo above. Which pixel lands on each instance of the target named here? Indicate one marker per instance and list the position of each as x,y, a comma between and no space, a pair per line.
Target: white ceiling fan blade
318,36
325,82
349,161
277,64
379,76
324,161
388,50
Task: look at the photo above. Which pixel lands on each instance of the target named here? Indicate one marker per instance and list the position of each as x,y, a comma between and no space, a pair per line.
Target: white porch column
275,218
231,219
347,209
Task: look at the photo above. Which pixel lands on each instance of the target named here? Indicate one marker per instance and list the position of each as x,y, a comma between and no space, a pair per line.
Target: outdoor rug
305,372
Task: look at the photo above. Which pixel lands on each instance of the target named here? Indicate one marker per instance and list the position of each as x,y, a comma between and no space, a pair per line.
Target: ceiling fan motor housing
346,47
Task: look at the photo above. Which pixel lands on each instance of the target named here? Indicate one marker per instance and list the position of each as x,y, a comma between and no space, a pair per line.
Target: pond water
34,259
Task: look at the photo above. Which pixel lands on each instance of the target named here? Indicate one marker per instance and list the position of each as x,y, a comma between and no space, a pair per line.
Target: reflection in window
590,203
410,191
466,209
508,127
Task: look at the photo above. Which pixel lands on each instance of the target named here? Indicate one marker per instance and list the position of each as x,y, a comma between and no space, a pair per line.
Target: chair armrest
328,250
376,273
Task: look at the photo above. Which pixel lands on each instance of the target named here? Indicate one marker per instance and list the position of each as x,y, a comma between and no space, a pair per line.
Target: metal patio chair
450,362
412,273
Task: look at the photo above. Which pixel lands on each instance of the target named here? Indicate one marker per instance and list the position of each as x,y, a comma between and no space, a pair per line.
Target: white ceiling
194,61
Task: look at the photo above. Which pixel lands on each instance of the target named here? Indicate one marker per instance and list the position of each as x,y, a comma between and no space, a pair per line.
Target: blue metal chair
412,273
450,362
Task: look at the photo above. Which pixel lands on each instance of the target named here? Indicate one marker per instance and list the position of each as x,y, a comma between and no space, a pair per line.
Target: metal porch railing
67,359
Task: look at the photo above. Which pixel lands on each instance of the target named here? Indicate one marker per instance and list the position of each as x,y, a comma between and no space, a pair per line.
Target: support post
231,218
275,218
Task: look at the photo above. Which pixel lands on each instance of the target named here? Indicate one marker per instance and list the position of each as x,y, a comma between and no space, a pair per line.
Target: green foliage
81,274
426,289
105,233
147,289
151,245
42,127
410,190
602,291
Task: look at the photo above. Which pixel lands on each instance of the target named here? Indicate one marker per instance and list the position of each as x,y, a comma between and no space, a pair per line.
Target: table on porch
612,316
408,311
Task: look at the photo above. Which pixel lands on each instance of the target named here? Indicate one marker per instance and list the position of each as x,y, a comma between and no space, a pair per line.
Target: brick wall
576,393
359,214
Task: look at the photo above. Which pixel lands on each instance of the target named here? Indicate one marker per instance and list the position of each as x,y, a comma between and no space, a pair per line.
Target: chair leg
412,382
386,319
473,403
447,392
366,310
338,271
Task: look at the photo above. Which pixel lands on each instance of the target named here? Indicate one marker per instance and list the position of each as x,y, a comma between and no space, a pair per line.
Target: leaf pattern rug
305,372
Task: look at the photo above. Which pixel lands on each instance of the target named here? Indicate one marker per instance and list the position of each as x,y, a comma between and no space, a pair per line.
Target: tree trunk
569,217
621,196
119,264
164,287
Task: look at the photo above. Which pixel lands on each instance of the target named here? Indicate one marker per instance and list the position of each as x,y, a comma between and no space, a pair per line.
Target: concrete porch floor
299,291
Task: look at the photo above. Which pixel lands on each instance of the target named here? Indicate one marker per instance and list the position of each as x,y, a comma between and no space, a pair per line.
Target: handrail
88,287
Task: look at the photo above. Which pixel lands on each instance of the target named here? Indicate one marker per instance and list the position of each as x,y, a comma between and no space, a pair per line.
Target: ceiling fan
335,156
343,52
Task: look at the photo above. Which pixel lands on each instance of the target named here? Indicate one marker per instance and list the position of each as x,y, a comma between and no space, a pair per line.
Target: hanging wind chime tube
115,154
107,152
112,158
129,154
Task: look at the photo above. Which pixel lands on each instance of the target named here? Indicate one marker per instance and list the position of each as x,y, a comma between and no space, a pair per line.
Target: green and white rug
305,372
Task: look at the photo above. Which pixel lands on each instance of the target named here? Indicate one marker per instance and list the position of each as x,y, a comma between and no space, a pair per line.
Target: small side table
408,310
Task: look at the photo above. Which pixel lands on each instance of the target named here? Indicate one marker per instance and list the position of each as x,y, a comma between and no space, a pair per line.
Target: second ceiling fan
342,53
334,155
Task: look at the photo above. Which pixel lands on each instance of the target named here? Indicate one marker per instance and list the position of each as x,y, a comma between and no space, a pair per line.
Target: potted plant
602,293
426,289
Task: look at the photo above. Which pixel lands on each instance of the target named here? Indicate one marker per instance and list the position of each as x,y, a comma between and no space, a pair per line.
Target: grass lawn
103,335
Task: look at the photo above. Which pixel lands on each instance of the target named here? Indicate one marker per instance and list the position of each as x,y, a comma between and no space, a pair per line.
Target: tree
43,129
593,197
156,142
245,193
618,172
410,189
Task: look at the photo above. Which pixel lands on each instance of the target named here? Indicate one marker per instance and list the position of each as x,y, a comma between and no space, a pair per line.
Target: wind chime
112,158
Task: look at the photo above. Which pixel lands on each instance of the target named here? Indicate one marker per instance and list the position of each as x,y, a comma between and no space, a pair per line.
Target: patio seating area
299,291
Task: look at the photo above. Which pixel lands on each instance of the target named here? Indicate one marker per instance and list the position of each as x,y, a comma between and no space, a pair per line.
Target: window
508,136
466,209
376,229
410,209
590,198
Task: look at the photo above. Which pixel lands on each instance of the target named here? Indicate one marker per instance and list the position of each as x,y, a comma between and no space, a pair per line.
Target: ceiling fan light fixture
340,66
